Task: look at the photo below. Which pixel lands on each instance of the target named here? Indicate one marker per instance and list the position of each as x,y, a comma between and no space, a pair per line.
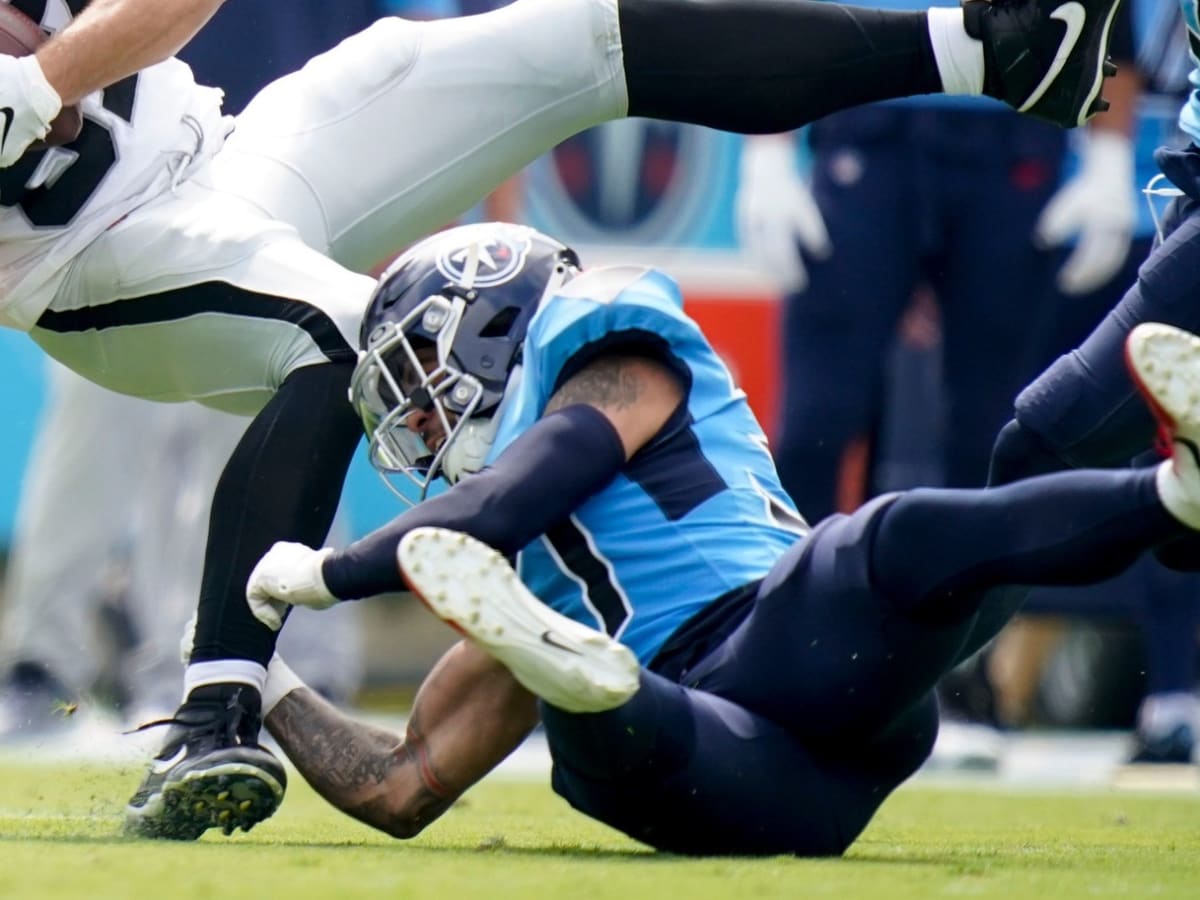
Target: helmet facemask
399,377
443,339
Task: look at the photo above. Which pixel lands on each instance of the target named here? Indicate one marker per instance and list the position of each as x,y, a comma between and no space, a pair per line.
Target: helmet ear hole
501,323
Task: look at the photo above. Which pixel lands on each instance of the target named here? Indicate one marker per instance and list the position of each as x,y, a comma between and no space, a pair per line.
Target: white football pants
391,134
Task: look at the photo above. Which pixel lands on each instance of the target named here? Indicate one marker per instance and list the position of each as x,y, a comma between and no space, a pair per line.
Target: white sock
959,56
1174,495
281,681
223,671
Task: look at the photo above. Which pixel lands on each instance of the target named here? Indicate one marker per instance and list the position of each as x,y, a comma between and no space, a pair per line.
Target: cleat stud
223,815
1109,68
223,796
245,805
1100,105
199,806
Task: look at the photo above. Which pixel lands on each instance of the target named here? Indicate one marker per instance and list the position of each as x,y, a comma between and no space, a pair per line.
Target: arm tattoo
606,382
348,763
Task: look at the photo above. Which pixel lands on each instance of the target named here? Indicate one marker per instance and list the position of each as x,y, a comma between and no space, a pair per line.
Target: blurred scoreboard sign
661,194
637,182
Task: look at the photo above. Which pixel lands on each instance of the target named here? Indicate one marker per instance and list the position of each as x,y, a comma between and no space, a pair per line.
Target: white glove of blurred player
289,575
1096,206
776,212
28,104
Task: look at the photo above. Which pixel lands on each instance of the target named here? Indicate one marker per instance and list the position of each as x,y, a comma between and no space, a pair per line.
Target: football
20,36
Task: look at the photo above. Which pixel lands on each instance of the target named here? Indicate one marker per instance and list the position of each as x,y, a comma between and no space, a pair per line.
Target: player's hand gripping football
28,104
289,575
776,213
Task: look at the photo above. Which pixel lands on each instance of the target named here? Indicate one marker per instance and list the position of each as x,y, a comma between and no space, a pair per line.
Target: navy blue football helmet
441,347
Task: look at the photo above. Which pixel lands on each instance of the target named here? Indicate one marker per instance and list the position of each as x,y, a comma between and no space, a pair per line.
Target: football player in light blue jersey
714,677
709,466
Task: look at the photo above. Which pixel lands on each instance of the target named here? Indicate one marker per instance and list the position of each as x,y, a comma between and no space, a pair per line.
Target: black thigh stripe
196,299
571,545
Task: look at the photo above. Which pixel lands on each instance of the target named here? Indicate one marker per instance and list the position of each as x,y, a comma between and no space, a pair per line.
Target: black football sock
282,483
761,66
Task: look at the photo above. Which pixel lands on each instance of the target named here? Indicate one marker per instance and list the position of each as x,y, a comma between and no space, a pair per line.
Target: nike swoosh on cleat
8,113
549,637
1074,16
162,766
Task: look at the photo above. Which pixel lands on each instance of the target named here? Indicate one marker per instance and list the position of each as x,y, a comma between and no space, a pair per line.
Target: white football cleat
473,588
1165,364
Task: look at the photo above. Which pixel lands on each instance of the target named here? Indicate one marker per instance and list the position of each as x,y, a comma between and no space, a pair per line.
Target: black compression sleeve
541,478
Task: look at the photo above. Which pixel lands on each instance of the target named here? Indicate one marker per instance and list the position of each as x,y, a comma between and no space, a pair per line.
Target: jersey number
56,203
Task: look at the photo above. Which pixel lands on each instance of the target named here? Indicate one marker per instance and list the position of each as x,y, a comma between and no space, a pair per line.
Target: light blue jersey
655,546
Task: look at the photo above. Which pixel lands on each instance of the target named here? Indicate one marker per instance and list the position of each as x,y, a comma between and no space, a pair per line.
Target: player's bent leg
288,469
474,589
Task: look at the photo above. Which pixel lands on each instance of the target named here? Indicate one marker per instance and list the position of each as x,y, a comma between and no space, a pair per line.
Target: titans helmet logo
485,263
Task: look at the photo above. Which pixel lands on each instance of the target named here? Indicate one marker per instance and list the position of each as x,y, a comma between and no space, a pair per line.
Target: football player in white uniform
173,254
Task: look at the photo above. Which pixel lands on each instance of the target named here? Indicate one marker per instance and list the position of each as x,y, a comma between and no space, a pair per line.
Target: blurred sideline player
122,513
782,688
141,484
199,263
899,191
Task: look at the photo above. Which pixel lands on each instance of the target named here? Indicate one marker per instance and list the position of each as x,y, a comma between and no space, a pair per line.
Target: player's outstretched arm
112,39
469,714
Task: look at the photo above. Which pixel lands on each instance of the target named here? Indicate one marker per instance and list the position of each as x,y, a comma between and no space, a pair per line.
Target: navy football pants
789,735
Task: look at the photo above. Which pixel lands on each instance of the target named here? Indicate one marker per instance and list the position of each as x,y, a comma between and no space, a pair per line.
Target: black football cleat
211,772
1045,58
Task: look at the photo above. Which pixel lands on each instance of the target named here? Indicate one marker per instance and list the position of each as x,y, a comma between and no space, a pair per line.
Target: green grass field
60,838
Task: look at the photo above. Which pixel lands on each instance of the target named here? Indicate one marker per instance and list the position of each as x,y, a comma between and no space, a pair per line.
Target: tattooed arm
637,394
468,716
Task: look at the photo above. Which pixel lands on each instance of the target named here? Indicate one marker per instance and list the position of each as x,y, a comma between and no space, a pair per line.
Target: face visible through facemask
426,423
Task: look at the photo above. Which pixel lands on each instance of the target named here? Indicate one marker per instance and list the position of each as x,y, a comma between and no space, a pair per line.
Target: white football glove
289,575
1097,207
28,104
776,213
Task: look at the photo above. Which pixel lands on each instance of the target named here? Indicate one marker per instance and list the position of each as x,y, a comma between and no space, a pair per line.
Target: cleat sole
567,664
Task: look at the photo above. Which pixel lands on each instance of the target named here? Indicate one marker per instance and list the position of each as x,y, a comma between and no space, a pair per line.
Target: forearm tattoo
350,764
612,382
